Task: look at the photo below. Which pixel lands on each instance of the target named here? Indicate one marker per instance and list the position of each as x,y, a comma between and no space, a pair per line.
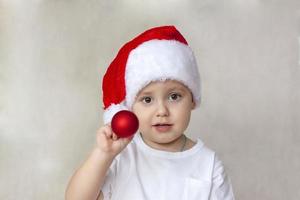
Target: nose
162,110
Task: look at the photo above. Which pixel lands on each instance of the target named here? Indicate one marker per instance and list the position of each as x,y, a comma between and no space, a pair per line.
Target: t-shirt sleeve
221,185
110,180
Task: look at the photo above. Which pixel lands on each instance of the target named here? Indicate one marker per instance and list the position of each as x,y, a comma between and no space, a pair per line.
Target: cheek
142,116
143,123
183,108
184,118
183,113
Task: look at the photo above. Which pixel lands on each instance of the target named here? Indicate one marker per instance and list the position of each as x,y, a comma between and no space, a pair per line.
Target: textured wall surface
53,55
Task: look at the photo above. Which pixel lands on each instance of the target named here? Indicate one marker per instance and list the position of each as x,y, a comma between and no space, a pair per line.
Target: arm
89,178
221,188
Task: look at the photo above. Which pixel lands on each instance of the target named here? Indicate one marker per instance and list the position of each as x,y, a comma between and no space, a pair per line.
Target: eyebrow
170,89
144,93
177,88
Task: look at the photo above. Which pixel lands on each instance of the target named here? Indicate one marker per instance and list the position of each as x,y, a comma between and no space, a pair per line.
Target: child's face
163,110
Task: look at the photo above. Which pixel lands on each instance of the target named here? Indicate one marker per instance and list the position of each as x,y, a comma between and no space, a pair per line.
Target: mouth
162,127
162,124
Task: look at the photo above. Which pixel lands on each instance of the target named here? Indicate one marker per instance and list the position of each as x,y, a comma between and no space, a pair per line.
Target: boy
155,75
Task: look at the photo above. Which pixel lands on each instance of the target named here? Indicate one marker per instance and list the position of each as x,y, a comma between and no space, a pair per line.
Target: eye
146,100
174,97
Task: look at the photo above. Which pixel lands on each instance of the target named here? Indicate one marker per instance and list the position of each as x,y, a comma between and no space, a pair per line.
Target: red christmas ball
124,123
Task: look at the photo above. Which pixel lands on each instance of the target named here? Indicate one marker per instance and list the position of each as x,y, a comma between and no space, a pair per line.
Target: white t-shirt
140,172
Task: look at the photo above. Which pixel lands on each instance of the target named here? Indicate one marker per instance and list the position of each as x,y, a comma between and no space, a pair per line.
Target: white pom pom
112,110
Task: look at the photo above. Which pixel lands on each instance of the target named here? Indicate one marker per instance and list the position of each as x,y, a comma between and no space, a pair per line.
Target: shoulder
203,151
209,160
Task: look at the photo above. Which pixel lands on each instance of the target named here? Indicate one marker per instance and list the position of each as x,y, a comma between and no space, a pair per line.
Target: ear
193,105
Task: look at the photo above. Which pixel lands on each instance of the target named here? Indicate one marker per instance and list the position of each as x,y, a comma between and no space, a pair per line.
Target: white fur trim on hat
160,60
112,110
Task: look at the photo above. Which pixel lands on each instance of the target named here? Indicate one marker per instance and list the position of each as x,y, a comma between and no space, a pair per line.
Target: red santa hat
160,53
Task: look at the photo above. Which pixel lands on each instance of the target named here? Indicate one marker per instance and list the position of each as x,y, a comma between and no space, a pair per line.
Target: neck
168,147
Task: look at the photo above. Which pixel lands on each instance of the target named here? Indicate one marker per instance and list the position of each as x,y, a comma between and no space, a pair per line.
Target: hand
109,143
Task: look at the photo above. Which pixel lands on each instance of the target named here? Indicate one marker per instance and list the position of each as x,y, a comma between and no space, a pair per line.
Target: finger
109,132
106,131
114,136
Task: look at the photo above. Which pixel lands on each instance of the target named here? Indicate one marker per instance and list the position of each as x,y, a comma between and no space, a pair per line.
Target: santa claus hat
159,53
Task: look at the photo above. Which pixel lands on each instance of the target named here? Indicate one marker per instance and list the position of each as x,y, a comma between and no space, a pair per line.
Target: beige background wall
53,54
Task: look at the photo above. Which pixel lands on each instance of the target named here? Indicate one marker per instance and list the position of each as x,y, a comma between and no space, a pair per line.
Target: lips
162,127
